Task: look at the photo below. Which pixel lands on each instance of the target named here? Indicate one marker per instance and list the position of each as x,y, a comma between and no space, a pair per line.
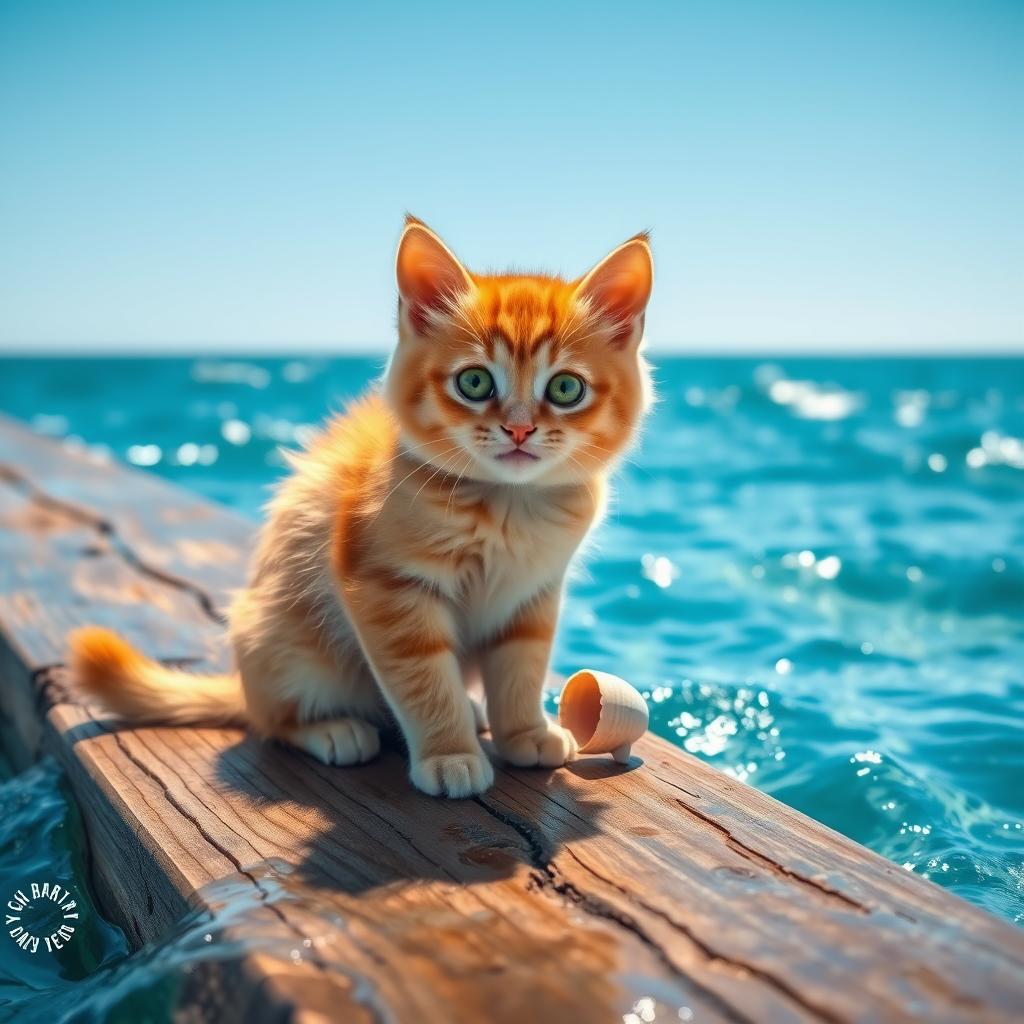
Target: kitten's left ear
429,276
619,287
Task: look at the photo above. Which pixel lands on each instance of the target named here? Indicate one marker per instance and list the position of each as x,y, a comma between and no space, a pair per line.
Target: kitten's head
518,378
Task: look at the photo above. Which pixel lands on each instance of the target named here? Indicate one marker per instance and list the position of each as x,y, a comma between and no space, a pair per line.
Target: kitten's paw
453,775
340,741
547,745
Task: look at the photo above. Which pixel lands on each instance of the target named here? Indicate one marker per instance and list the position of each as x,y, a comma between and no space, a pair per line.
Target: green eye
565,389
475,383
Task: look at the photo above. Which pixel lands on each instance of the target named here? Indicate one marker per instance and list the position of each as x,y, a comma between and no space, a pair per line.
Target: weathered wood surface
583,894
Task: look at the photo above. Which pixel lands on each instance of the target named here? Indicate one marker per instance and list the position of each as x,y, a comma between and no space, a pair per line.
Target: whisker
621,456
415,470
458,481
439,469
584,479
407,449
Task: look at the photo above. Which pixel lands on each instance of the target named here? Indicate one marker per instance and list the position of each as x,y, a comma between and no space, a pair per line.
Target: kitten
426,533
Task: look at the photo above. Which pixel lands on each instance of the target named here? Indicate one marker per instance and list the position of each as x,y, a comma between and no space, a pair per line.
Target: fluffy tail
133,686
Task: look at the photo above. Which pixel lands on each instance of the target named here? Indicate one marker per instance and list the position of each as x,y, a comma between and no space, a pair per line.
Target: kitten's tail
141,690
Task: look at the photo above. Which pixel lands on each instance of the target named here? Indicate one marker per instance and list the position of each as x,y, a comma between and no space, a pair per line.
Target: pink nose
518,432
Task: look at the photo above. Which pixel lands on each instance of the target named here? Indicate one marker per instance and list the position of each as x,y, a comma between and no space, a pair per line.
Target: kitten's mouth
517,455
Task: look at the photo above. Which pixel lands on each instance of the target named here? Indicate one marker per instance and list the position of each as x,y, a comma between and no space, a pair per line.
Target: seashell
603,712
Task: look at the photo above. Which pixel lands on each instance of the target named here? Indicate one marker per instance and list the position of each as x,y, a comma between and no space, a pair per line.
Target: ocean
813,567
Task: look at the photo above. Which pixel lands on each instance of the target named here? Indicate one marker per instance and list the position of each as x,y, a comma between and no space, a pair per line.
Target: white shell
604,713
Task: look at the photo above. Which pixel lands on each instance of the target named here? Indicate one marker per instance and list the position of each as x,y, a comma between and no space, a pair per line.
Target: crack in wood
675,785
324,849
407,839
108,530
756,857
710,954
535,846
263,894
359,984
47,691
547,878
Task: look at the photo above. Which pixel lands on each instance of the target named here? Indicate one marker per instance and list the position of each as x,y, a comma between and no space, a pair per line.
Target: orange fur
425,535
111,670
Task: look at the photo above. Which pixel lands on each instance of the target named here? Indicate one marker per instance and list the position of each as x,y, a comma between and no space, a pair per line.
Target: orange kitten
426,534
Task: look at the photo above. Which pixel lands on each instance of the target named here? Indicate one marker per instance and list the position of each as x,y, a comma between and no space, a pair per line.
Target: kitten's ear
620,285
428,273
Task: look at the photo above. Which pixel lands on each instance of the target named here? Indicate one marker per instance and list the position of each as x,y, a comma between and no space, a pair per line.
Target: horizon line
300,350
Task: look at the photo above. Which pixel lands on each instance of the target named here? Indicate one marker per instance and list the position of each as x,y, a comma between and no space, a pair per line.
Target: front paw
453,775
547,745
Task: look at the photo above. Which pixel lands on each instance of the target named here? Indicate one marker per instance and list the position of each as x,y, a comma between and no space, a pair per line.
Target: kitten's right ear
619,287
429,276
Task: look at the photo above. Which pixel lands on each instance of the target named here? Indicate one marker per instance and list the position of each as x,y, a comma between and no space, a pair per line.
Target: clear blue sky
832,176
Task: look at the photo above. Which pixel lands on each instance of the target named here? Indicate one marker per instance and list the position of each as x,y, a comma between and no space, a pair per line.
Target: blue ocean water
41,843
814,567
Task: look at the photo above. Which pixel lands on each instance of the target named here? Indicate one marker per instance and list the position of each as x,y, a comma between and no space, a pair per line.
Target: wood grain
588,893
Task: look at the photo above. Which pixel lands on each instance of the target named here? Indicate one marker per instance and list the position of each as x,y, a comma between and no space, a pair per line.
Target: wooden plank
160,529
590,892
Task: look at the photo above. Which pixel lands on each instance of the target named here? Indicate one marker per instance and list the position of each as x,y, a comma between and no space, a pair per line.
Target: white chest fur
519,544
